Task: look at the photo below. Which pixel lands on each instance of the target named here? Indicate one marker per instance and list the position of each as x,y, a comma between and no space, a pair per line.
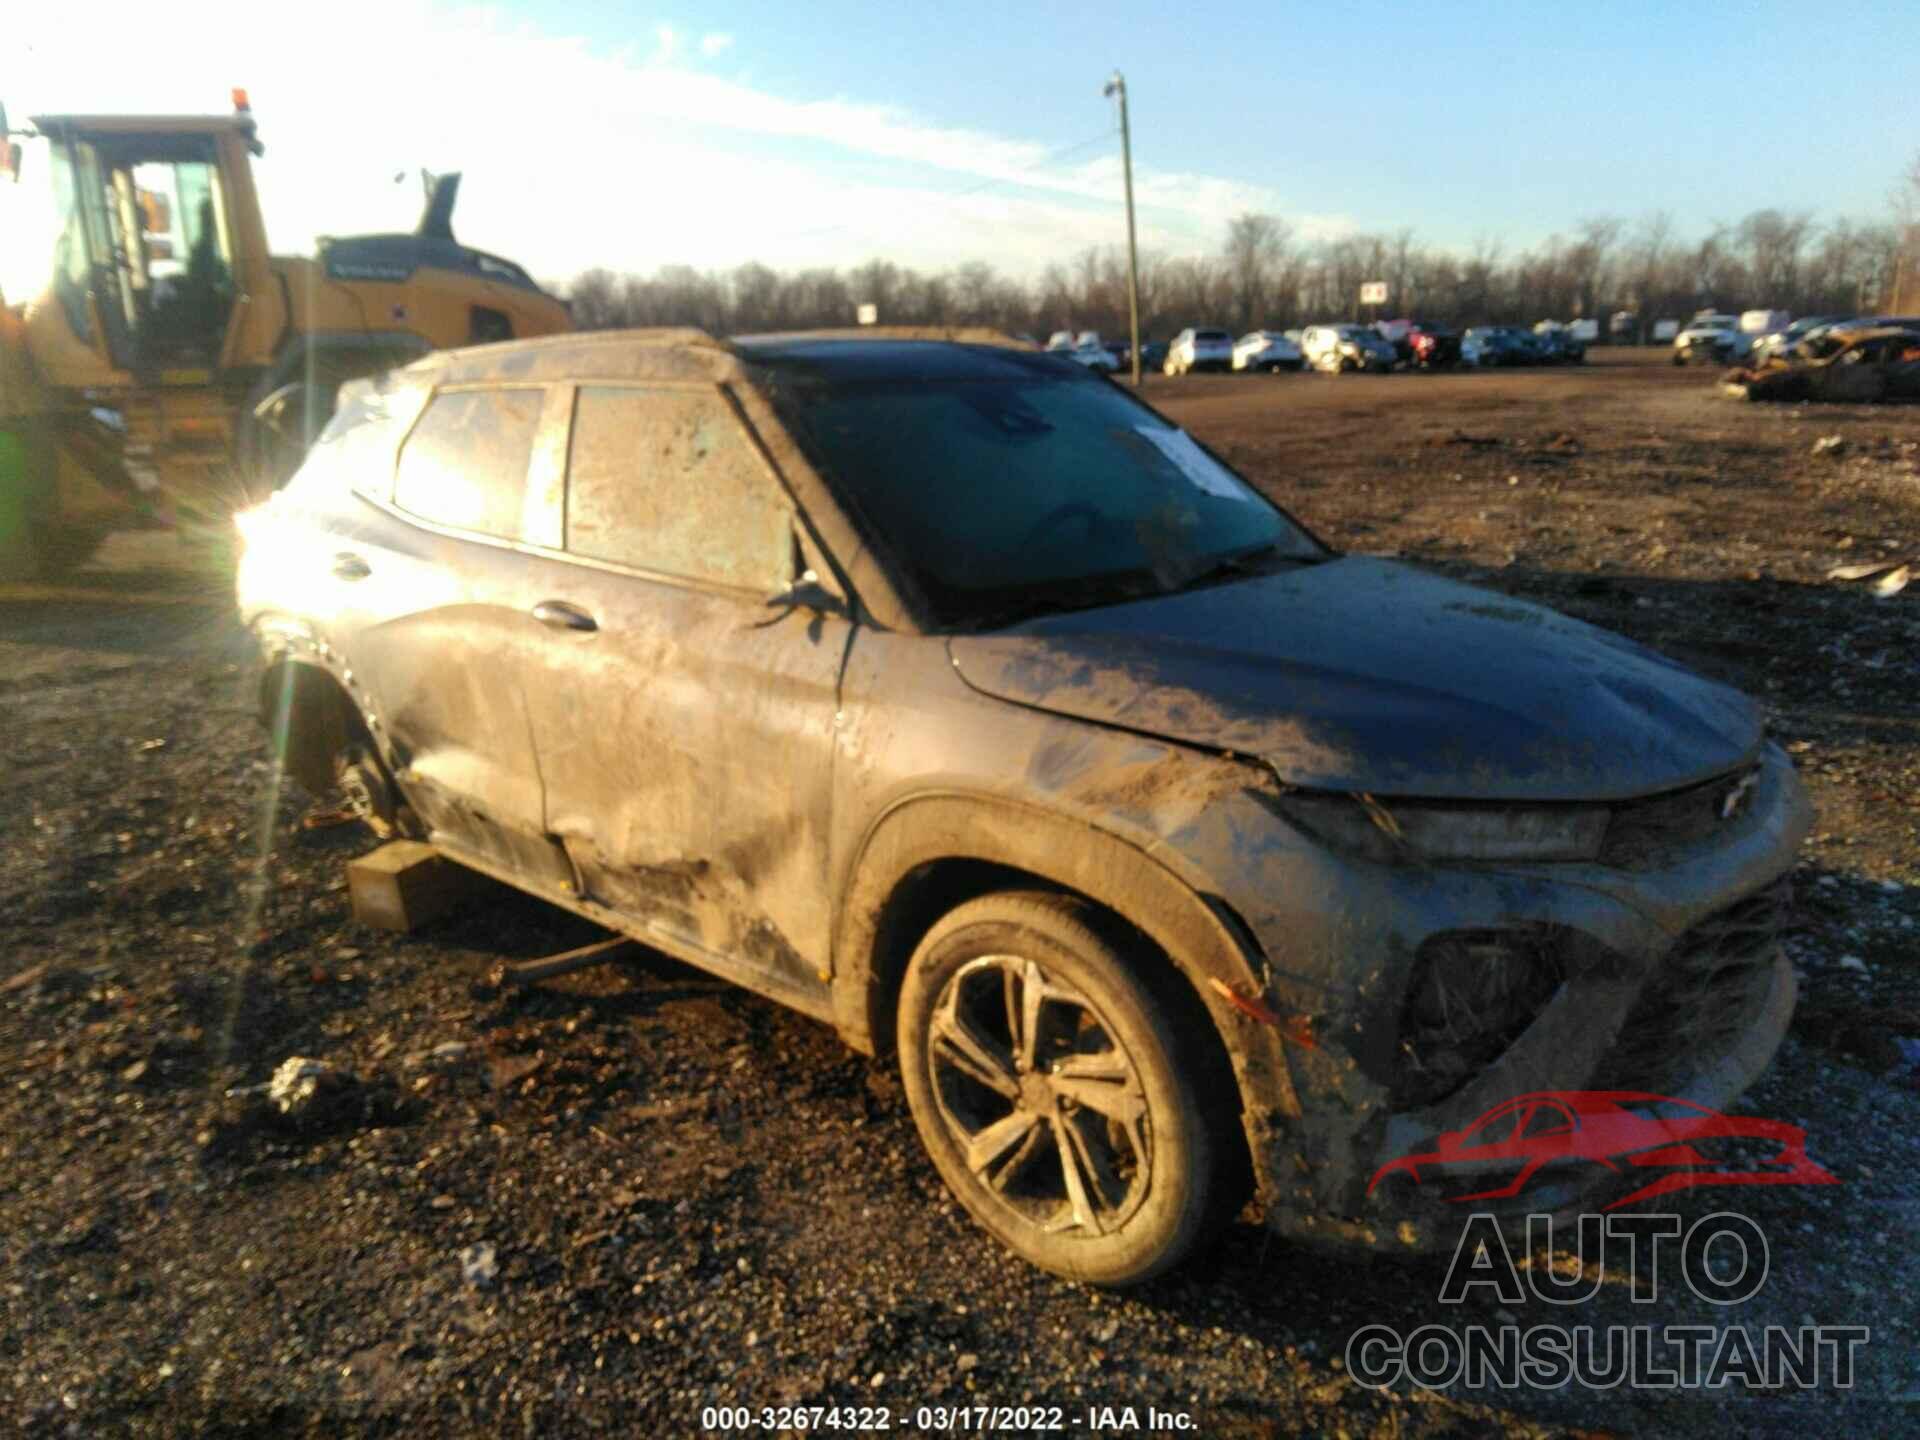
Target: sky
605,132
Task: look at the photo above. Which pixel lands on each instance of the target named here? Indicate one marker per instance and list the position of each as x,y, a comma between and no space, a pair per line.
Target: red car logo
1618,1129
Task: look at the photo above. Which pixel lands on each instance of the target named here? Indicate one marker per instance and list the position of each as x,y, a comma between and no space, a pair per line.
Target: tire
1679,358
1109,1176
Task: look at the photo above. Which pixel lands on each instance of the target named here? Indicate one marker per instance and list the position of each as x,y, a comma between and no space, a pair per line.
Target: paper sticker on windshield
1201,468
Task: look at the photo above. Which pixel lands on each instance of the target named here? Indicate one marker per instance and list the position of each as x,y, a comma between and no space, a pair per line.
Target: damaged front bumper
1661,972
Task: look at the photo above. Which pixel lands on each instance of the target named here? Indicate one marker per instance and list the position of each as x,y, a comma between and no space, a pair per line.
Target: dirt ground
693,1197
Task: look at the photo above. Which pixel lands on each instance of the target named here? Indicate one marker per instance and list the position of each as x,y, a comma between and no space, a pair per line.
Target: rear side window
356,447
667,481
465,464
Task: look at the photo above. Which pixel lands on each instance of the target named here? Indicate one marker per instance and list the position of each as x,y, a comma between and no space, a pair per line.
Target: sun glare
27,227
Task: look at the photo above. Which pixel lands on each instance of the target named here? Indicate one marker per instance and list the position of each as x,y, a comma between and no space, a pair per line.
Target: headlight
1401,831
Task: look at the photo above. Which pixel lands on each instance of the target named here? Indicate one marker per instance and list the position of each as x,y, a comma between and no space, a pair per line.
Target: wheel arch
309,716
927,854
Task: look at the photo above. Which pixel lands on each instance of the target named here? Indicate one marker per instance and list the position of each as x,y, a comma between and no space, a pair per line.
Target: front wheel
1052,1092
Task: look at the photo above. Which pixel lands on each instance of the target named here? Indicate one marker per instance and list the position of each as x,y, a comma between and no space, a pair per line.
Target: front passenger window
668,481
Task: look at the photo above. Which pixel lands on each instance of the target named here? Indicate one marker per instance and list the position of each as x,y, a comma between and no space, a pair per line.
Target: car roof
831,357
689,354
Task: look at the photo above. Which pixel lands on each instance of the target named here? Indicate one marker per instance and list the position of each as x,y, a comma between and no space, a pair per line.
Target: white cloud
630,158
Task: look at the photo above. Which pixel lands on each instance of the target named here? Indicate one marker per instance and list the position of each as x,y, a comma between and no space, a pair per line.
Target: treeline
1264,276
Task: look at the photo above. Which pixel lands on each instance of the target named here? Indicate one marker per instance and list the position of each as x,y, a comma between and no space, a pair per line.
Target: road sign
1373,292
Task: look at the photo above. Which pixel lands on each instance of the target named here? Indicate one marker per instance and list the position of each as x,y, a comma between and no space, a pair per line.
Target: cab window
465,464
667,481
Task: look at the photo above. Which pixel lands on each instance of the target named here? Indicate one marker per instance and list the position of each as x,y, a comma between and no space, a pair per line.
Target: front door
685,730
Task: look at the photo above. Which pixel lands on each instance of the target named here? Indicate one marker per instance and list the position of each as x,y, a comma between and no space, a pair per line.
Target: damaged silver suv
949,694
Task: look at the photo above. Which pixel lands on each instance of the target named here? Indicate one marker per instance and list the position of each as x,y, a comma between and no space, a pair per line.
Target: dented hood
1362,674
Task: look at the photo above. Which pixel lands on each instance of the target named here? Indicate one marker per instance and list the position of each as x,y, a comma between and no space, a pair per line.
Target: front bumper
1347,943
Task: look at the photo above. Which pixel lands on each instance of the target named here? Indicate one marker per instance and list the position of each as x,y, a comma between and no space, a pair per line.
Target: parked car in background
1857,367
1777,342
1336,348
1755,323
1060,340
1199,349
1399,334
1153,356
1266,350
979,712
1823,338
1712,338
1091,352
1486,347
1433,347
1557,344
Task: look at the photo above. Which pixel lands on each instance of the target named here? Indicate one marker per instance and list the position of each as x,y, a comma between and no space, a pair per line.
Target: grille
1703,997
1644,834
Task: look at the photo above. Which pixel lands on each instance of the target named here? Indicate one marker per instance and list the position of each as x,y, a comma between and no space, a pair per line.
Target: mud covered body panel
782,794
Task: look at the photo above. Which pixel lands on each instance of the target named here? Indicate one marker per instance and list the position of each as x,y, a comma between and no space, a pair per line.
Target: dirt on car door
685,729
442,629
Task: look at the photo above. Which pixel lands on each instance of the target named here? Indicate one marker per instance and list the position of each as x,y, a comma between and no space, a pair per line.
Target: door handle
349,566
559,615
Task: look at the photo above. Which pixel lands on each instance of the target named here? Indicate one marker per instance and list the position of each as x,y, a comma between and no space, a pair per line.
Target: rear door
442,592
685,729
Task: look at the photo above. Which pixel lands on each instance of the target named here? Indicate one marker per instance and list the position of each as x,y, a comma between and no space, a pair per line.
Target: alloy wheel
1039,1097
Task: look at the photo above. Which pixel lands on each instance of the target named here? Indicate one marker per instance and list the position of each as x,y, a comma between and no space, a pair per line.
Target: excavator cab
156,360
148,259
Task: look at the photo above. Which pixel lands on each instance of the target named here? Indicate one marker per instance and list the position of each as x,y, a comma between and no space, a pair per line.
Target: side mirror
807,593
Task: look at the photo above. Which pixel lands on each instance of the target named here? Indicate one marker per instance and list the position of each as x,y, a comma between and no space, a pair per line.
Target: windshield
1016,495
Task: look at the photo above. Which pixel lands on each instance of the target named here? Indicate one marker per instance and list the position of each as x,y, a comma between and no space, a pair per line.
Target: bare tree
756,298
876,283
1256,246
1774,242
1903,293
1260,277
594,300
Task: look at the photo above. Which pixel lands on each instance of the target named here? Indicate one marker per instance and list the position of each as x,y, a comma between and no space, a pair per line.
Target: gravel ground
606,1202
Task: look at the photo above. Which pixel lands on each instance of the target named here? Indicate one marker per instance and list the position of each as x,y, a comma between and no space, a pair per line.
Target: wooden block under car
406,884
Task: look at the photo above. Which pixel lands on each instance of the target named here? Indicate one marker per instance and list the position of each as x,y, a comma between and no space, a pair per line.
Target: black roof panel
850,359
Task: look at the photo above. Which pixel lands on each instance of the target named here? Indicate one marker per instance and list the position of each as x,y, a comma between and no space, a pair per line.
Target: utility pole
1118,86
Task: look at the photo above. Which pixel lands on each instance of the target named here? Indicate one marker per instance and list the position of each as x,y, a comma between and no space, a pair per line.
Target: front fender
1197,936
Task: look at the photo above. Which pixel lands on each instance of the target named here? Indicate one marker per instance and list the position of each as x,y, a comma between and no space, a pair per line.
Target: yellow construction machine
157,364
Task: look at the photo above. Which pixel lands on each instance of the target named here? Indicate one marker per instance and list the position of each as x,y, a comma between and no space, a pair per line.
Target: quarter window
465,464
667,481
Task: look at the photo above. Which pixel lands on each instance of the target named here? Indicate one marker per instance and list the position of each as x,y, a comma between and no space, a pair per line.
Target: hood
1363,674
